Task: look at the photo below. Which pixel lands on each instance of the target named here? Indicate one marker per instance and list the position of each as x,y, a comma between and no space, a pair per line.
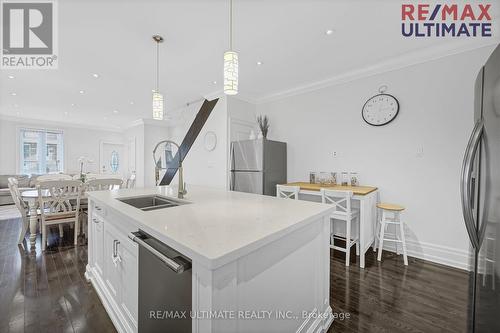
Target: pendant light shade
230,72
157,106
157,96
230,60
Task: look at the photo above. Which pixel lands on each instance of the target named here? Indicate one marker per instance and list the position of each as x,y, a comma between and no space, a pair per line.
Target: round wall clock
380,110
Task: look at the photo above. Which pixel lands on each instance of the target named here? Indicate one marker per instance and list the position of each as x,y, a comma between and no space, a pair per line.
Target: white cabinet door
97,242
111,269
129,280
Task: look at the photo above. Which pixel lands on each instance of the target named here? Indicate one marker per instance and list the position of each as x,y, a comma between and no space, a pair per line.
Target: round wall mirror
210,141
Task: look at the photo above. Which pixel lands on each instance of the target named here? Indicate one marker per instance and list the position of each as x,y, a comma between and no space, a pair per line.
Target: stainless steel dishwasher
165,287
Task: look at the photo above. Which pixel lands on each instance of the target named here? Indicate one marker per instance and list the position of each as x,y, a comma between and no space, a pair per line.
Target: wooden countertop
357,190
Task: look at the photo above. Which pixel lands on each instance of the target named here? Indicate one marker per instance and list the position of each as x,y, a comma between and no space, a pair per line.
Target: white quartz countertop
217,226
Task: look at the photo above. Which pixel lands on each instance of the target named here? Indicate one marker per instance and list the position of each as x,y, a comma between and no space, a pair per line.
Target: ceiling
113,39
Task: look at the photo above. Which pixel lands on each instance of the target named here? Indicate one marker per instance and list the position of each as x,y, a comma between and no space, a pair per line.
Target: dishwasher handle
171,263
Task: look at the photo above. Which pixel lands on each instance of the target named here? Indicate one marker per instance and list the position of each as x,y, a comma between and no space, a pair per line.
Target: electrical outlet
420,152
335,154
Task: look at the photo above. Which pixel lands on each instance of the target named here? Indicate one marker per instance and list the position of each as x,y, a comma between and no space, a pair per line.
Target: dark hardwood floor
48,292
390,297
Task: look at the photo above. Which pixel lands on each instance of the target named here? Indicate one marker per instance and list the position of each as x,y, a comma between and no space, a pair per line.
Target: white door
112,159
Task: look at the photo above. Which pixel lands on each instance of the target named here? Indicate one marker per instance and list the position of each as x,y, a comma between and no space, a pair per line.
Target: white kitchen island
259,264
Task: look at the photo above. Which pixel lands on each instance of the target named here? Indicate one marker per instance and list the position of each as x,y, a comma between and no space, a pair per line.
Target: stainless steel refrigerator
257,166
480,193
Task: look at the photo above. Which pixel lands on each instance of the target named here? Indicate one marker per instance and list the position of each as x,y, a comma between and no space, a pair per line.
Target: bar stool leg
381,237
348,242
396,229
357,236
403,241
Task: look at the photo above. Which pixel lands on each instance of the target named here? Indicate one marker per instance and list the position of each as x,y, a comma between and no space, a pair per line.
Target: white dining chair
343,212
59,203
20,205
287,192
103,184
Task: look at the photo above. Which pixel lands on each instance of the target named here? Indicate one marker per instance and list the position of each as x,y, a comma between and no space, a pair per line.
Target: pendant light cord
157,66
231,25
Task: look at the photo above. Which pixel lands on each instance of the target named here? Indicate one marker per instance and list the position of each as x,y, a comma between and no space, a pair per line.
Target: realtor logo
28,35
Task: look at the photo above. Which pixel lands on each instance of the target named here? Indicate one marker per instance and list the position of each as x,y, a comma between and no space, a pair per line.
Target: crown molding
241,96
43,122
147,121
391,64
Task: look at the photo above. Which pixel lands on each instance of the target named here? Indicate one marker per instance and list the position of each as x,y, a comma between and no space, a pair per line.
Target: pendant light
230,60
157,96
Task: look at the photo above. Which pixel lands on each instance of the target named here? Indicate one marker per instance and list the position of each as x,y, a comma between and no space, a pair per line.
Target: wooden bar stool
394,210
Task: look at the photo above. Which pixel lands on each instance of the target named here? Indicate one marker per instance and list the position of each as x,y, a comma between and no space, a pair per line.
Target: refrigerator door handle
232,156
231,178
466,179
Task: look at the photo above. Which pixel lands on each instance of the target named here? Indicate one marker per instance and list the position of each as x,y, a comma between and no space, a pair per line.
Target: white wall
203,167
77,142
135,134
242,119
436,117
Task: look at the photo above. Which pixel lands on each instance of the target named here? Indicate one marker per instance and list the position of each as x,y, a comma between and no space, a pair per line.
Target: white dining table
31,197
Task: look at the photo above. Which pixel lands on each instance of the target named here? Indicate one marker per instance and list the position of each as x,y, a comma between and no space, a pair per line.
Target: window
41,151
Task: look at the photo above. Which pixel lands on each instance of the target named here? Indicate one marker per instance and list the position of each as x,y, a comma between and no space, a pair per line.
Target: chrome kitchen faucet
182,186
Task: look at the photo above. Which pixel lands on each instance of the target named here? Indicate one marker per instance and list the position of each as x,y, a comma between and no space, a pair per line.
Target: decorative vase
263,122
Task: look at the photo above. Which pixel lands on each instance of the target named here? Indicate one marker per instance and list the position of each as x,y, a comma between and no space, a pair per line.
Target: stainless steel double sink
152,202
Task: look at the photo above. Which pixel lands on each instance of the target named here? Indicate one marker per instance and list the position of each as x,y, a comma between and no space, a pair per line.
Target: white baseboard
440,254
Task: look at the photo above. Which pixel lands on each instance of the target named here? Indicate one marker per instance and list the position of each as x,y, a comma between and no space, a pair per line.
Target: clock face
380,109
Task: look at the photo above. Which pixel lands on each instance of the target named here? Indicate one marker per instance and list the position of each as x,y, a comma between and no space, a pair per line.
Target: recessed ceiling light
82,91
329,32
73,104
259,63
65,113
10,76
214,82
13,93
131,102
115,111
95,75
